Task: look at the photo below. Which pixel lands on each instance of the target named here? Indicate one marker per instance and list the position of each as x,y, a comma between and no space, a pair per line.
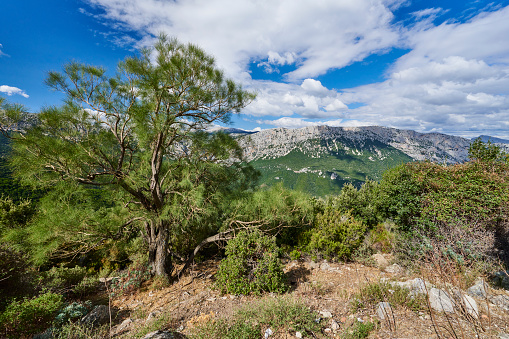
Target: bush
251,266
281,315
131,280
62,279
373,293
336,234
15,275
73,312
30,315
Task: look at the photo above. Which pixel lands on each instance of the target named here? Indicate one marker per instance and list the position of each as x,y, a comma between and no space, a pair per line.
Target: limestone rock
394,268
160,335
326,314
381,261
440,300
383,310
501,301
470,306
98,316
479,289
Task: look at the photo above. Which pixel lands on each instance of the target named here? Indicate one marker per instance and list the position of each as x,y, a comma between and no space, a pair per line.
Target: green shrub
62,279
72,312
16,276
295,255
87,286
336,234
282,315
251,266
358,330
30,315
373,293
131,280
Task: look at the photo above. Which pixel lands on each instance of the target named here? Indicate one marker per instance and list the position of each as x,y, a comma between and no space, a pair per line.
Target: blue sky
430,66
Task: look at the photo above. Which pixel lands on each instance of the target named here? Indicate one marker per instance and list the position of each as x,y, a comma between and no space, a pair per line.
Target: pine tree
140,132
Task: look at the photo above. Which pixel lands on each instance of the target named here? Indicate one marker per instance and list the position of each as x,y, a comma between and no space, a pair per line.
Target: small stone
326,314
501,301
98,316
380,260
479,289
328,330
383,310
125,324
471,306
298,334
268,333
313,265
394,269
325,267
159,335
334,325
151,316
211,299
440,300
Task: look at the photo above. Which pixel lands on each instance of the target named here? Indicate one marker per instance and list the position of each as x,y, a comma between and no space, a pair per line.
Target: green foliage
16,277
361,203
131,280
251,265
399,195
278,211
72,312
295,255
359,330
281,314
14,215
310,166
383,237
486,152
68,280
373,293
336,234
140,132
30,315
74,221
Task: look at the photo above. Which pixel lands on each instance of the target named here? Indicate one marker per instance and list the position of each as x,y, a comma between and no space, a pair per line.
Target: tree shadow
297,274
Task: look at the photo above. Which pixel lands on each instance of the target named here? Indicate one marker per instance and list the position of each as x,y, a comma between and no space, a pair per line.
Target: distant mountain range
321,159
493,140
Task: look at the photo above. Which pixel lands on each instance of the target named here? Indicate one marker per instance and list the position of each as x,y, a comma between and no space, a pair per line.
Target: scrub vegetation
122,187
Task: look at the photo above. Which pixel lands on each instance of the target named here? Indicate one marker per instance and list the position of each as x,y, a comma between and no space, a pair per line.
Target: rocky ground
328,289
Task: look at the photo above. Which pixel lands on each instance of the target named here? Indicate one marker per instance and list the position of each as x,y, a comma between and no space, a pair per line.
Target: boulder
501,301
381,261
384,310
479,289
160,335
98,316
440,300
394,269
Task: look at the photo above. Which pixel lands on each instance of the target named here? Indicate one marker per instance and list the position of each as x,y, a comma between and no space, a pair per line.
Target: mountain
493,140
321,159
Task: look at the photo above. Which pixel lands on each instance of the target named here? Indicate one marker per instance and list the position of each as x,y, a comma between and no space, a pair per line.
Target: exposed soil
324,287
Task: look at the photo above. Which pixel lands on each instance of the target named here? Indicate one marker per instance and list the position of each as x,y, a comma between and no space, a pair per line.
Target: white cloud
454,79
2,53
309,100
288,122
12,90
331,34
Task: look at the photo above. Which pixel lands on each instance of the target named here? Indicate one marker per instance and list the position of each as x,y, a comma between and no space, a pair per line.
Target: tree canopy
140,132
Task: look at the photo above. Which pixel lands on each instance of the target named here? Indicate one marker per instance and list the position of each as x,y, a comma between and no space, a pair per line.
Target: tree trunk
159,258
